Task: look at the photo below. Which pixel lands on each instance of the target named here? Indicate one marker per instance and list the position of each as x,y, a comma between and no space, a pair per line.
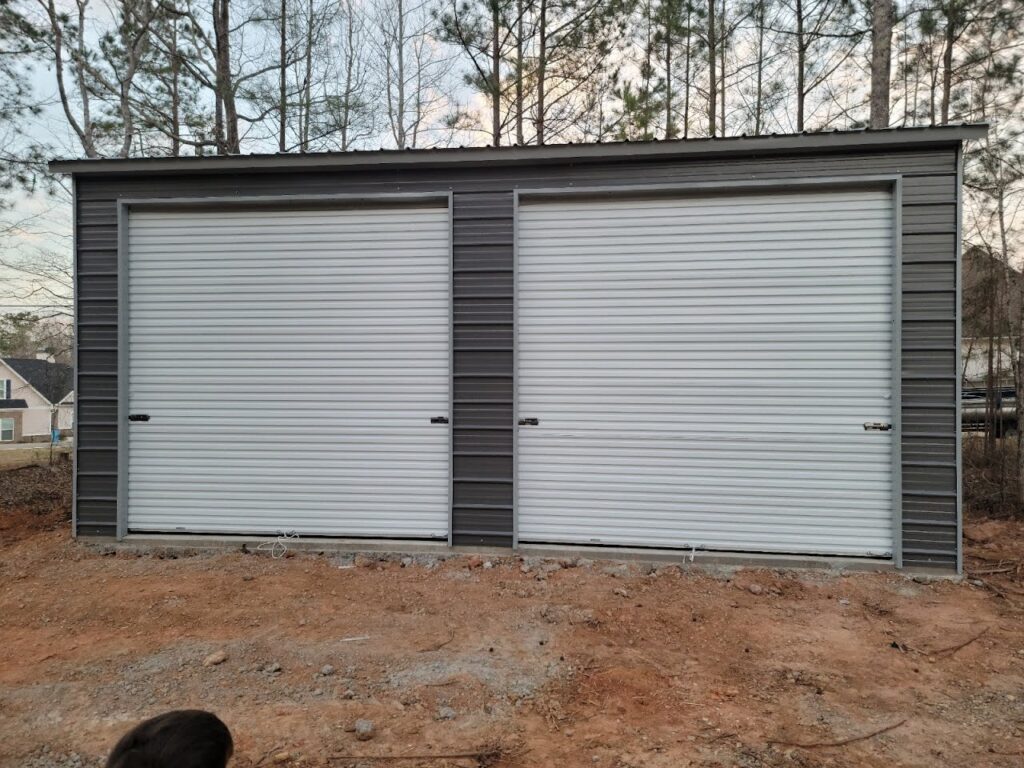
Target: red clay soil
565,664
33,499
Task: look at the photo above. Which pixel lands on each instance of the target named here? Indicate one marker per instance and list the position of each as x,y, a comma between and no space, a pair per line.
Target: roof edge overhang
890,138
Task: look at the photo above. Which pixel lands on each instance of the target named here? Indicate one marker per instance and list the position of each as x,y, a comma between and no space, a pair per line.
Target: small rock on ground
364,730
215,658
445,713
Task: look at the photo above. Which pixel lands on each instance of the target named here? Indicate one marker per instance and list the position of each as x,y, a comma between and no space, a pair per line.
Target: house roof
619,150
7,404
51,380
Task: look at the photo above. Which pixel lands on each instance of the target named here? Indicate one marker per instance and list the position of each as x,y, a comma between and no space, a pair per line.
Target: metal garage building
745,345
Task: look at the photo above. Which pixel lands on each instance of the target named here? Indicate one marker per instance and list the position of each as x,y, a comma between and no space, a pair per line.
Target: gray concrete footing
703,560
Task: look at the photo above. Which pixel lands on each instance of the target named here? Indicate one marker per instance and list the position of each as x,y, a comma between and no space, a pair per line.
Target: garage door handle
439,420
877,426
529,422
138,417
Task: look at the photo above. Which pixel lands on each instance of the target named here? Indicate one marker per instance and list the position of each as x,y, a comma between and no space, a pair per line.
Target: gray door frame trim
125,205
892,182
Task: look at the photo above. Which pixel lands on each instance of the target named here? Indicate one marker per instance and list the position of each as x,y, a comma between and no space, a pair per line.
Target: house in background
36,397
12,415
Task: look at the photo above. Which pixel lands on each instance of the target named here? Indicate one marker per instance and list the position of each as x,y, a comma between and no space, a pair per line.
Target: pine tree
484,31
21,157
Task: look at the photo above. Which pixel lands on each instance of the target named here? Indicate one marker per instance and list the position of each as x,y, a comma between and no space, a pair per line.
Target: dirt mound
33,499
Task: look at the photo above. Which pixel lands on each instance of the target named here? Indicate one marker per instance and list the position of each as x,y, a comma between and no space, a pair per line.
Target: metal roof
620,150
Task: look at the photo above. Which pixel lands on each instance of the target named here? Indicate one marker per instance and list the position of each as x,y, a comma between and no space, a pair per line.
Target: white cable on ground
279,546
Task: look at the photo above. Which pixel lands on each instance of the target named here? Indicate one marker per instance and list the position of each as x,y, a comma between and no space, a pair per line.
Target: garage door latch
438,419
529,422
877,426
138,417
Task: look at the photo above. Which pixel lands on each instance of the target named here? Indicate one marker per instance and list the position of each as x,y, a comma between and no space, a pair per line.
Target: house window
5,389
6,430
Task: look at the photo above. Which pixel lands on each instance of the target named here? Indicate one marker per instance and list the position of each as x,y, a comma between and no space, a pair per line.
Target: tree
761,93
881,61
672,35
24,334
572,44
17,331
349,109
636,116
712,41
98,103
20,43
823,38
483,31
415,69
168,97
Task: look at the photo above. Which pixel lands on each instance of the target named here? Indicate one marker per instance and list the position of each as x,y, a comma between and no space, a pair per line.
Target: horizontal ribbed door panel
702,369
290,362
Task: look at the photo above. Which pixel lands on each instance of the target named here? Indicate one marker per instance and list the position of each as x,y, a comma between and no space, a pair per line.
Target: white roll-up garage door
290,363
701,370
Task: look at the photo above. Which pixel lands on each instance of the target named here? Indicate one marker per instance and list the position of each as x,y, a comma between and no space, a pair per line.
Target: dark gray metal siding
483,365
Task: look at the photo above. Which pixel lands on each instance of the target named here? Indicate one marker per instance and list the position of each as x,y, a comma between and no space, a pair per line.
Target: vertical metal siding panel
931,529
482,422
291,361
95,265
702,368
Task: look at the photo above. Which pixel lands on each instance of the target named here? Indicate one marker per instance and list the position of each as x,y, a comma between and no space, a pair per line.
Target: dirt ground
511,663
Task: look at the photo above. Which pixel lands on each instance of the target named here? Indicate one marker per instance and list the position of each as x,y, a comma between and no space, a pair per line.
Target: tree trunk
307,81
712,85
400,46
669,128
947,64
84,129
218,123
686,75
990,384
228,122
801,57
542,67
759,92
282,104
83,91
933,84
346,109
906,83
520,139
722,48
175,88
495,73
881,61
